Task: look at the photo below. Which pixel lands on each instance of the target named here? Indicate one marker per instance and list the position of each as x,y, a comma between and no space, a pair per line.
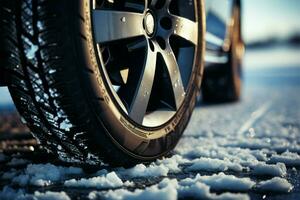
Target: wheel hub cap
149,23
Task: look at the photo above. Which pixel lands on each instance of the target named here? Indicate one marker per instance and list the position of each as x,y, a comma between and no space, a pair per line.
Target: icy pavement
245,150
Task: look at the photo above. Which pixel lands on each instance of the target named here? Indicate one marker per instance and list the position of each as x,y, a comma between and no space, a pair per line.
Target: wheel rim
148,51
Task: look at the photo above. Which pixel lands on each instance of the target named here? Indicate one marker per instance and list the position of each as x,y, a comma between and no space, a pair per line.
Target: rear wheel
222,82
114,81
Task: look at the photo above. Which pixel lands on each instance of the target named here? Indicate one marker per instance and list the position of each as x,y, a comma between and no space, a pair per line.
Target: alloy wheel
147,50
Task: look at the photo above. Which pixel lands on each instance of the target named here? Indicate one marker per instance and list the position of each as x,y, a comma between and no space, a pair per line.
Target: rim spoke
186,29
175,76
115,25
142,96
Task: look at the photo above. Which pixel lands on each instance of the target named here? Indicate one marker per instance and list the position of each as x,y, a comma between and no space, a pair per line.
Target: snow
199,190
141,170
289,158
276,184
229,155
8,194
2,157
111,180
17,161
264,169
9,175
222,182
172,163
208,164
51,196
45,174
167,189
160,191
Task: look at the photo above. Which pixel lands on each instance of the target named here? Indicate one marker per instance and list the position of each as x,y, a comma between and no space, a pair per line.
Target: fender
219,15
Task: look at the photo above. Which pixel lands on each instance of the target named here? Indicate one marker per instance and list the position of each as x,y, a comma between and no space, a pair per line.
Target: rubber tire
222,82
65,100
8,57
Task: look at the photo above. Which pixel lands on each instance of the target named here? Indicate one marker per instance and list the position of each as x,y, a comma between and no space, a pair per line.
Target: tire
8,57
222,82
86,113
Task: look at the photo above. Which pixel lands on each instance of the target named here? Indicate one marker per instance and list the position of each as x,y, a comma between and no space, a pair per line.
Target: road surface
249,149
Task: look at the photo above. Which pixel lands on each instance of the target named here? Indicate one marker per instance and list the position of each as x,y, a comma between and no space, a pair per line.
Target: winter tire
108,81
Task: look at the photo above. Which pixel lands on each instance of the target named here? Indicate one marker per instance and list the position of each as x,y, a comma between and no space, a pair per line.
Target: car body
218,22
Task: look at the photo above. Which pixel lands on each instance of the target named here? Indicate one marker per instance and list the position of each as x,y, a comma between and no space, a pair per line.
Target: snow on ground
222,182
17,161
2,157
10,194
275,185
44,174
290,159
264,169
111,180
208,164
229,151
167,189
141,170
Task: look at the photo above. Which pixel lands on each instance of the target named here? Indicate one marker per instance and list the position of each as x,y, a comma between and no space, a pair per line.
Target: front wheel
112,80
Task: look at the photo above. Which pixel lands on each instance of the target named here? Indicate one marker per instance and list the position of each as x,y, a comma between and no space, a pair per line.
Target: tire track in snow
255,116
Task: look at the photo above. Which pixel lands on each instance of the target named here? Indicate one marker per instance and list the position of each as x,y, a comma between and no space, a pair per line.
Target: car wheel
222,82
109,80
8,57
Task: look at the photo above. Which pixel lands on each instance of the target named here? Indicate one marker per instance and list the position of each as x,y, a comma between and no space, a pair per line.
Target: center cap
149,23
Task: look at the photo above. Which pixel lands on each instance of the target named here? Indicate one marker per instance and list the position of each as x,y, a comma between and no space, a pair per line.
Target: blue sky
265,18
4,96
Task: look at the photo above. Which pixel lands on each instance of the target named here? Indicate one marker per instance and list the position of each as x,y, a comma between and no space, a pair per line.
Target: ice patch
45,174
110,180
269,170
275,185
208,164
